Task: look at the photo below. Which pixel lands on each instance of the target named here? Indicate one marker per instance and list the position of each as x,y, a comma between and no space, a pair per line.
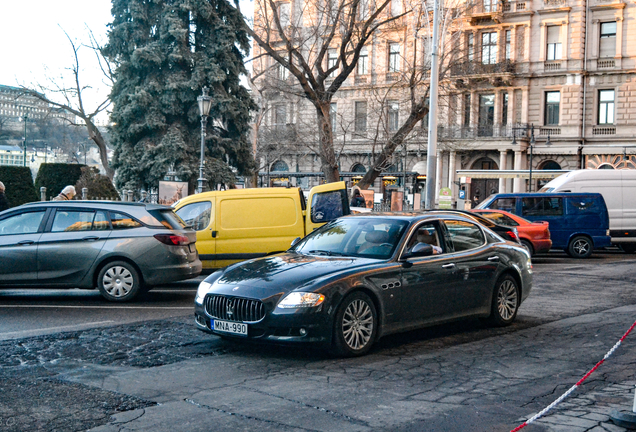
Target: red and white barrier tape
567,393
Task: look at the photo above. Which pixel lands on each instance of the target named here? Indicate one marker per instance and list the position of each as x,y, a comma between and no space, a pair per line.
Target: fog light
303,332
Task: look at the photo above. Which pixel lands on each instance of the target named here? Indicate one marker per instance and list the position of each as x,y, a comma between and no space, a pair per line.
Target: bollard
84,193
130,196
42,193
623,418
124,195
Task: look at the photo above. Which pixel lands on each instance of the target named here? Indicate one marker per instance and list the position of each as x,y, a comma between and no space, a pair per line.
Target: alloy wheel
357,324
507,299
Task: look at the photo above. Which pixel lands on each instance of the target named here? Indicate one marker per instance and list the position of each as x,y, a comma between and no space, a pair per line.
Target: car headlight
301,300
204,288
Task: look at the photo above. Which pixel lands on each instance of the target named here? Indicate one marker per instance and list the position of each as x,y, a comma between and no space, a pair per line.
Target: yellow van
239,224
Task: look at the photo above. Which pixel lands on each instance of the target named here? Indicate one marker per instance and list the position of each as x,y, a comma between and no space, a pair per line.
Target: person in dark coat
4,202
358,199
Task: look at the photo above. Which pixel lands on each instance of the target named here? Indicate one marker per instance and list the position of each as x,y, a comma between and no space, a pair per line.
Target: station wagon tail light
172,239
301,300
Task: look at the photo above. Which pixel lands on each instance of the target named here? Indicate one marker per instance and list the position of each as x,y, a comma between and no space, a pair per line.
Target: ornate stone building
533,85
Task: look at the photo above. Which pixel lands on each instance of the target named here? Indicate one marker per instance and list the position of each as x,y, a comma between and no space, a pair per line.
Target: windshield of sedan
358,236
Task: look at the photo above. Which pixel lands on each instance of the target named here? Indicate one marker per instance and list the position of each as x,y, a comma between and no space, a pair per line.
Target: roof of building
10,148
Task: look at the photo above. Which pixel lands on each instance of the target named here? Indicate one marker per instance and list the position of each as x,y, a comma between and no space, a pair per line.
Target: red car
535,236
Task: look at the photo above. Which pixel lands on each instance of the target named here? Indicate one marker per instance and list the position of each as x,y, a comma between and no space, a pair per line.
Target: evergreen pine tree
166,51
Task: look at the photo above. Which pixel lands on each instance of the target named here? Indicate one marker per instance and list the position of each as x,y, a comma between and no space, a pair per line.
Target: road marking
35,331
96,307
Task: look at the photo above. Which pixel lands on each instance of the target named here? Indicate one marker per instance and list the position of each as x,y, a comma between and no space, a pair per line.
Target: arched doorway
546,165
480,189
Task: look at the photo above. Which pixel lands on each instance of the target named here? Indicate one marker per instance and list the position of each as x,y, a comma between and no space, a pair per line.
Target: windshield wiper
324,252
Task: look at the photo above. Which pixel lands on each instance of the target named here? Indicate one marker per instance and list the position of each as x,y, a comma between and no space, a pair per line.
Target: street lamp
205,103
26,117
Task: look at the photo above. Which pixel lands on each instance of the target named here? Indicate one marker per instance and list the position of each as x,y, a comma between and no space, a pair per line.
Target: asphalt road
164,375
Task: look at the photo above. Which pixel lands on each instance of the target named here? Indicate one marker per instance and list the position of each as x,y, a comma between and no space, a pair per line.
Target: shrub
99,186
55,176
18,182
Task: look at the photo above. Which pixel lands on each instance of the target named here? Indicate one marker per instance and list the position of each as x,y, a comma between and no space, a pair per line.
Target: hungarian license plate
230,327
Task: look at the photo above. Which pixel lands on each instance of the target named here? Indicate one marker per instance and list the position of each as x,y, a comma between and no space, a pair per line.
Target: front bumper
282,326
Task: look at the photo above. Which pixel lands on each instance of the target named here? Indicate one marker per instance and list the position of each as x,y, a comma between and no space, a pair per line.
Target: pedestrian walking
4,202
67,194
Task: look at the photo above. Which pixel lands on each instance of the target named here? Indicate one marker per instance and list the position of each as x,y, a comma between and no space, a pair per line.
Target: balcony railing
516,6
478,68
604,130
548,130
554,3
483,131
606,64
551,66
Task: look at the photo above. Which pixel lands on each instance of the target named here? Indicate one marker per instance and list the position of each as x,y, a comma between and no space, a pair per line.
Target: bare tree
73,100
319,46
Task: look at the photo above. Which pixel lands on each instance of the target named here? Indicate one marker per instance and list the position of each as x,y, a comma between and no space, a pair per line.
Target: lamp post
205,103
26,117
531,144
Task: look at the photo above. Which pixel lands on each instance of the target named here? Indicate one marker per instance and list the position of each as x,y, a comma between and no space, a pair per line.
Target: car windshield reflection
358,237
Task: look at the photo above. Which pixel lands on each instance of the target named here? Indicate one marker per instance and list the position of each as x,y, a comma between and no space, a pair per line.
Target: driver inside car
426,235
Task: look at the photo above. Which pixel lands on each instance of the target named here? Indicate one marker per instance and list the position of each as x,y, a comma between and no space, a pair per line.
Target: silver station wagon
122,249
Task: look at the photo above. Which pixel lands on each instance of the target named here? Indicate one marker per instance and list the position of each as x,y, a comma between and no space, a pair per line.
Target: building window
280,166
333,112
466,119
508,45
396,7
332,61
486,115
504,108
361,117
554,43
490,5
489,48
280,116
606,107
394,57
363,62
282,72
393,116
284,14
471,47
552,103
363,9
607,46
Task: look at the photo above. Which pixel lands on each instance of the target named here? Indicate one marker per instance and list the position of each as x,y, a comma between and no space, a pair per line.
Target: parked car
239,224
363,277
534,236
579,222
120,248
508,232
618,188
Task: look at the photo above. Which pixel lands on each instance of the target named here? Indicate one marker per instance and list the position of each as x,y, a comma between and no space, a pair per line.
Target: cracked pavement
165,375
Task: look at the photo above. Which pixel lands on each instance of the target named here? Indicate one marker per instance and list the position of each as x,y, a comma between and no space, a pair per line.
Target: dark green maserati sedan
363,277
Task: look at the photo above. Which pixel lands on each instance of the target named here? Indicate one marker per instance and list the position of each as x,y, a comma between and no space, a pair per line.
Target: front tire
580,247
118,281
355,326
505,302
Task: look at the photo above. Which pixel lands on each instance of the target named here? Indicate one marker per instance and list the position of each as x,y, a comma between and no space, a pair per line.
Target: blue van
579,222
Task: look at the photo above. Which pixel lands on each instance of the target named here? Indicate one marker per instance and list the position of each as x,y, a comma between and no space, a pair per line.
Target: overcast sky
34,48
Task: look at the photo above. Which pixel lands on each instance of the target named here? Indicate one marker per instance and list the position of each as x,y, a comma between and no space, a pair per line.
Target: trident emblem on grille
229,310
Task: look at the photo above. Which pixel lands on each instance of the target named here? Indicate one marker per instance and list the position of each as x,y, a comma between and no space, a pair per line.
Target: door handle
493,258
26,242
91,238
214,234
451,265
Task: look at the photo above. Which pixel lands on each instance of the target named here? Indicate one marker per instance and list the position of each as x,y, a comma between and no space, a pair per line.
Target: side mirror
419,250
295,242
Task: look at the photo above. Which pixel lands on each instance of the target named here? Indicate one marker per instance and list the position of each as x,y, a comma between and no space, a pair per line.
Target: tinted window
464,235
197,215
21,223
542,206
168,219
499,218
427,233
123,221
326,206
506,204
101,222
66,221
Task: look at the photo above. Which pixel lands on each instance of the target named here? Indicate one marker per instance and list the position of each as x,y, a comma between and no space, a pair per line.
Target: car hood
284,272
